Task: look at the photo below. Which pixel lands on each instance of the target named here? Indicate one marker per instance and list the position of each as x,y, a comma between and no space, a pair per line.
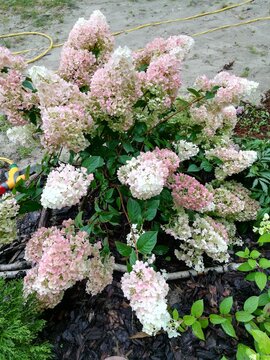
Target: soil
92,328
254,122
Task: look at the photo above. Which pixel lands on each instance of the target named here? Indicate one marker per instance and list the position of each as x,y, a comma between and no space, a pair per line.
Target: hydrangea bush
143,162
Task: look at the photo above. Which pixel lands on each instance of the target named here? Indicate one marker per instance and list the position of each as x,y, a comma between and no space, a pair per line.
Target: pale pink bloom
187,192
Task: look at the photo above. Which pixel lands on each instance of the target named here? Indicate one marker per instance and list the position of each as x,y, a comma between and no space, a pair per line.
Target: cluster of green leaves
258,175
253,119
20,324
255,317
256,265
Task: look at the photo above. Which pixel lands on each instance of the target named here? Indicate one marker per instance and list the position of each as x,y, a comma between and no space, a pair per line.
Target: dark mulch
93,327
254,122
87,327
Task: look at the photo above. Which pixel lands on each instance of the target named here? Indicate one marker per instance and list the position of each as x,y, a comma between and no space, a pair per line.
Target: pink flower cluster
53,90
233,160
187,192
115,88
65,186
232,88
160,86
147,290
88,46
213,118
175,45
163,78
10,61
148,173
65,126
14,98
60,258
220,113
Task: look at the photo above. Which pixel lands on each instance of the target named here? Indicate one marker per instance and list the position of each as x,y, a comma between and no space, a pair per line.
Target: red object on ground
2,190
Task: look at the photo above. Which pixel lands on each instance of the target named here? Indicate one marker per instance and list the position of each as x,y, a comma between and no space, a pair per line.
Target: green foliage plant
20,324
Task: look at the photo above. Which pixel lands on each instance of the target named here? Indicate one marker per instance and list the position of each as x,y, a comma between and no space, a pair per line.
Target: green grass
40,12
4,124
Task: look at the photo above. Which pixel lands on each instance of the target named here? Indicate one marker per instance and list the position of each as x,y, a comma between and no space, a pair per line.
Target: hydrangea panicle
187,192
147,290
65,186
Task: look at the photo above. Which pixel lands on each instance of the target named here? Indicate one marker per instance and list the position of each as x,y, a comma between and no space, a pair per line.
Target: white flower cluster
204,236
22,135
145,176
185,149
65,186
8,211
233,161
147,290
178,227
134,235
264,227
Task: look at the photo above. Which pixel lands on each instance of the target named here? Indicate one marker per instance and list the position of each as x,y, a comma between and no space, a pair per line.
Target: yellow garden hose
156,23
6,160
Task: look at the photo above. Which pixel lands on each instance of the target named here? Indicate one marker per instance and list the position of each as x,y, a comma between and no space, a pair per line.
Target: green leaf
265,238
132,257
147,242
263,341
244,267
29,206
204,323
197,308
264,299
151,210
260,280
193,168
255,254
226,305
242,254
252,263
217,319
194,92
28,85
197,330
123,249
228,328
175,314
243,316
251,304
244,352
189,319
78,220
206,166
250,277
161,249
134,211
264,263
92,163
128,147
